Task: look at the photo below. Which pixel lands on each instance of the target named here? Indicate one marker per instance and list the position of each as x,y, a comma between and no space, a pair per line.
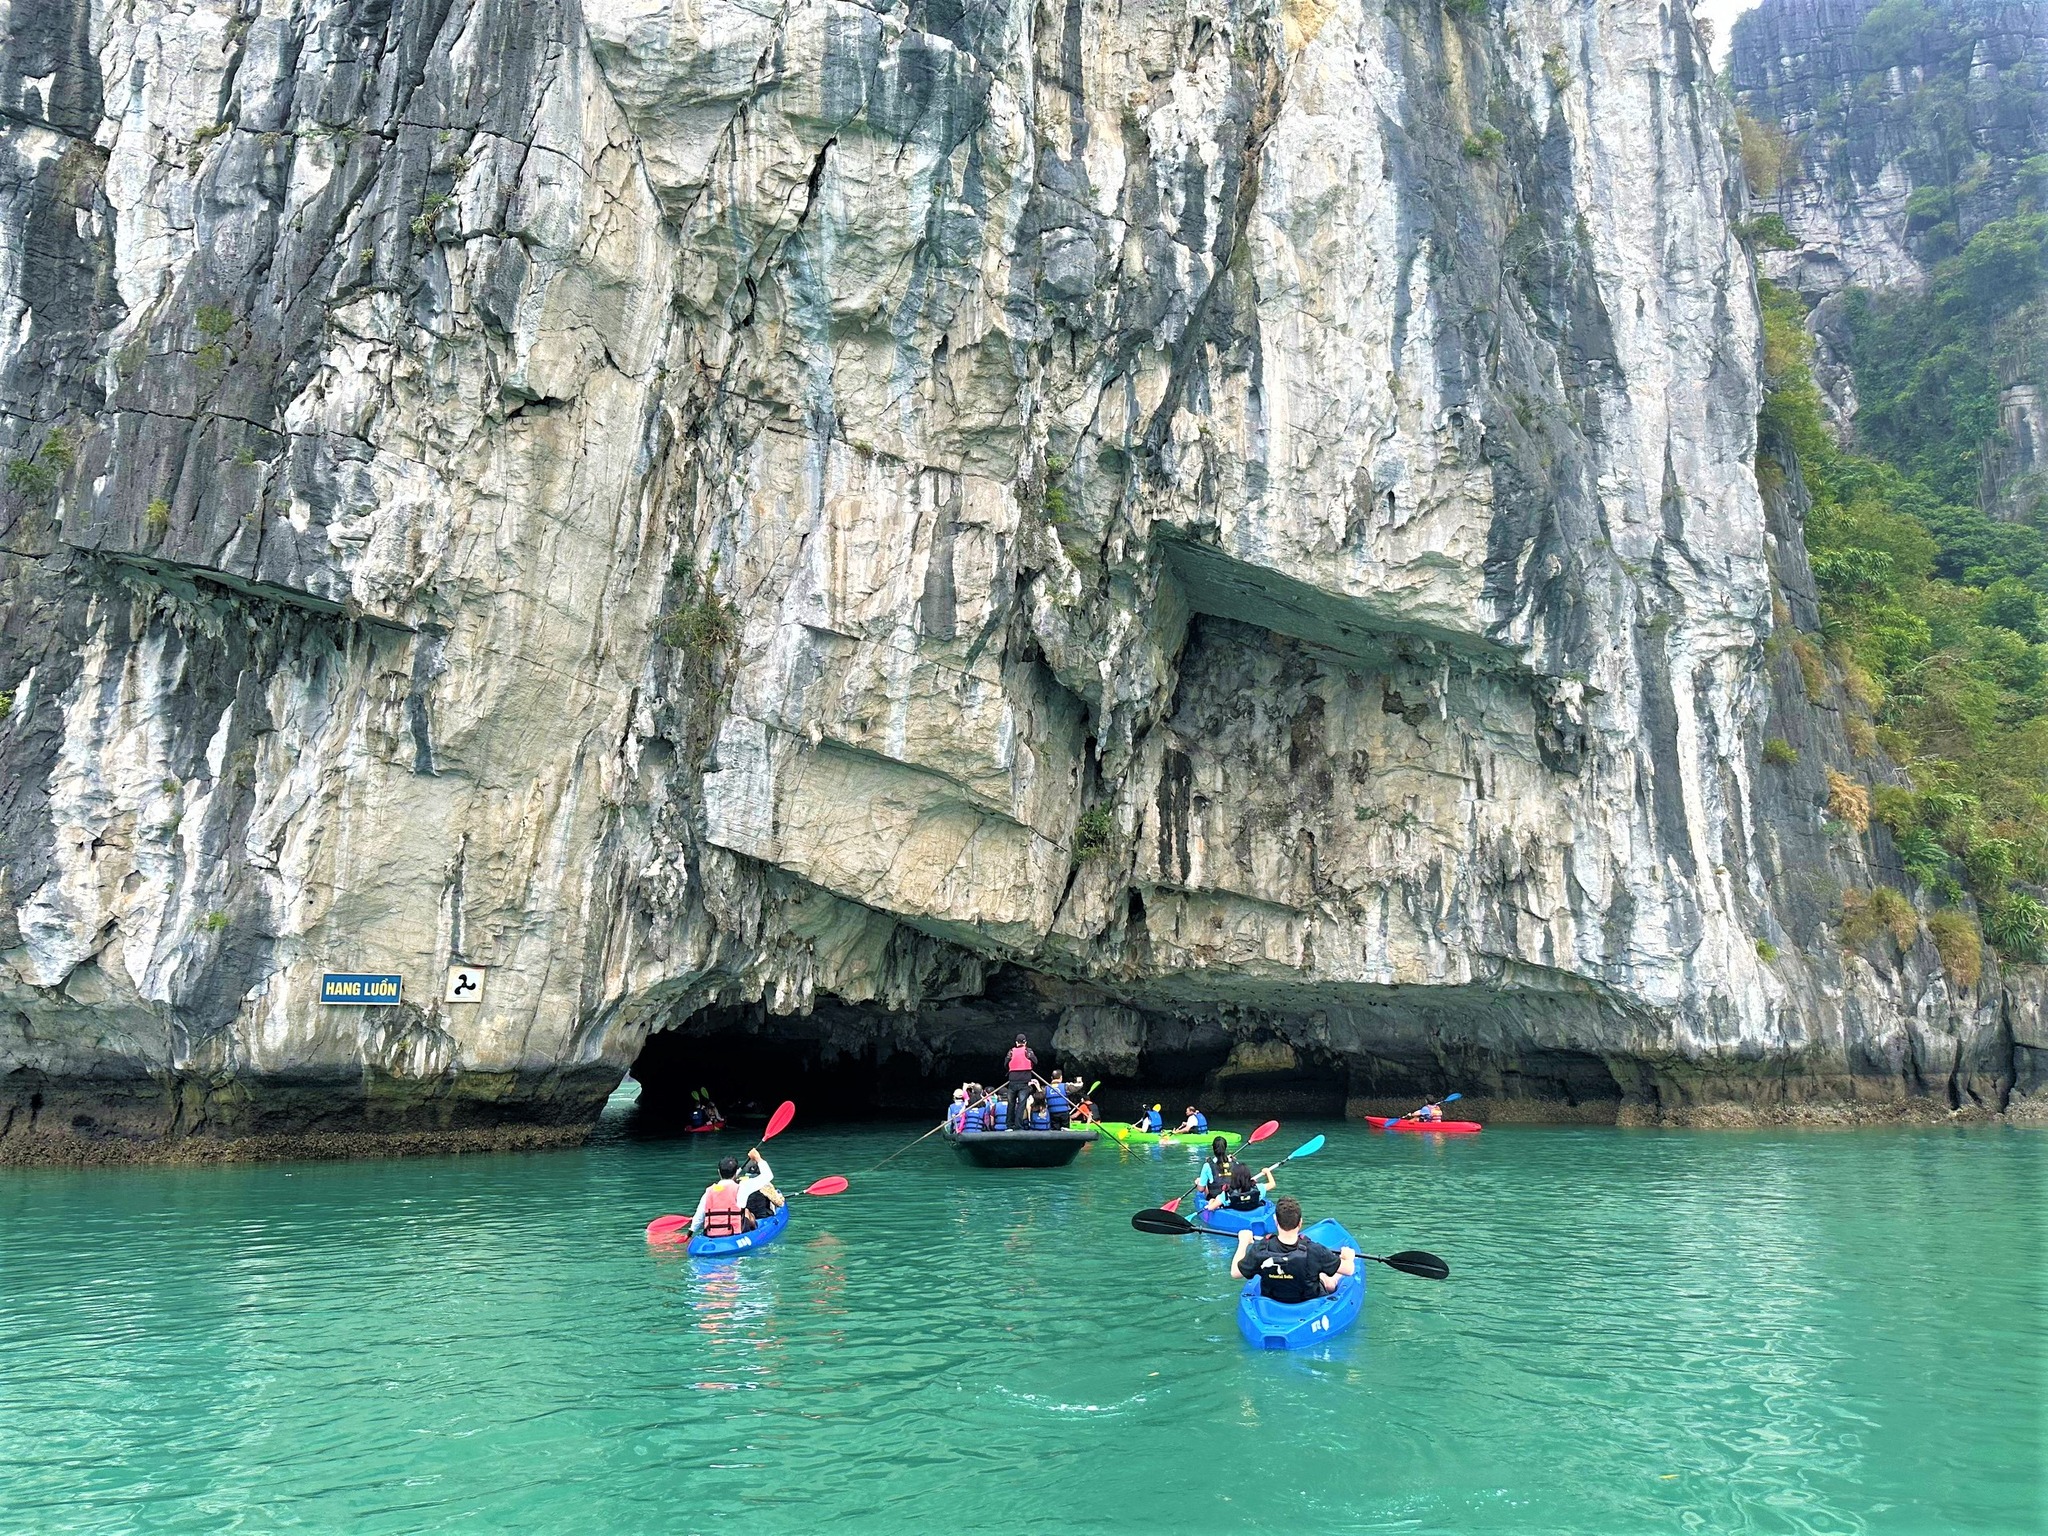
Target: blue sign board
376,991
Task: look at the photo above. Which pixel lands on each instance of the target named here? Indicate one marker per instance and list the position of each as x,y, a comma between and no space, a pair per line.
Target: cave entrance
840,1062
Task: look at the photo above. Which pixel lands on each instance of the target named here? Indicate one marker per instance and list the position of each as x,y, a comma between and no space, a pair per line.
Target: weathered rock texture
1903,142
1225,531
1956,111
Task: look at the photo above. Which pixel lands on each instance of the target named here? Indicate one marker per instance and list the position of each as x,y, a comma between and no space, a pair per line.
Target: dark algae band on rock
1240,543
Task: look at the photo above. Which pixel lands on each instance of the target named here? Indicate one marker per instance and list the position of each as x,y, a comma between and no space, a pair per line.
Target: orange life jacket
722,1211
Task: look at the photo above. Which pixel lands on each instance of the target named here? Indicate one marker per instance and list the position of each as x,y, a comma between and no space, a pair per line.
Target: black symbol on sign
464,982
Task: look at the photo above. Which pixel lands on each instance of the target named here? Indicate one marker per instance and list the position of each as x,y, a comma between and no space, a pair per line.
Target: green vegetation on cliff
1936,613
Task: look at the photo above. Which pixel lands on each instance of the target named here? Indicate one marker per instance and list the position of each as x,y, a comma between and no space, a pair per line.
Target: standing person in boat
722,1210
1196,1124
1244,1190
1150,1120
1290,1268
1021,1064
758,1194
1058,1101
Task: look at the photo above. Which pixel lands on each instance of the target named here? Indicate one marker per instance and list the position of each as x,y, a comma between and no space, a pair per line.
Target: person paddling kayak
1428,1114
1244,1190
1020,1066
1290,1268
722,1210
1150,1120
1196,1124
759,1197
1215,1170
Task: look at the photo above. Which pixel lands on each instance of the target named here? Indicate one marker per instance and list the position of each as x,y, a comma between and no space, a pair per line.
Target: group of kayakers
1153,1120
1290,1268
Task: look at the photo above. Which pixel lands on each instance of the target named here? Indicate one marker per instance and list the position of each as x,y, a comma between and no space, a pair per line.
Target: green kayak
1200,1139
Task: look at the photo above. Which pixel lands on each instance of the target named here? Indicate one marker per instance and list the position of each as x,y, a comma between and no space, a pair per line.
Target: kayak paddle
667,1229
1413,1261
1164,1223
779,1121
1308,1148
1256,1136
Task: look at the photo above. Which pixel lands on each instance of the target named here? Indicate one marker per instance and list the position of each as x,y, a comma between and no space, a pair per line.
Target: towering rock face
1226,529
1899,133
1910,128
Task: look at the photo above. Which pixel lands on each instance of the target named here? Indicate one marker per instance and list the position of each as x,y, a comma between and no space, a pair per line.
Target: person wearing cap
957,1115
758,1194
1196,1124
722,1210
1290,1268
1020,1064
1151,1120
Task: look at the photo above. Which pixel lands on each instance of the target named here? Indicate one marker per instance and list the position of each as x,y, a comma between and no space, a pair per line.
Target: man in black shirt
1290,1268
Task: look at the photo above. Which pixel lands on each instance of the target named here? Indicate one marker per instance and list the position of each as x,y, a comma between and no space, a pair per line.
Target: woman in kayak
1215,1169
1244,1190
1150,1120
758,1195
1196,1124
1428,1114
1290,1268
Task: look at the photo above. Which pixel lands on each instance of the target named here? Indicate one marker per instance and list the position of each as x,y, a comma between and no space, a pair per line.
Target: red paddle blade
1262,1132
779,1121
668,1229
830,1186
1173,1205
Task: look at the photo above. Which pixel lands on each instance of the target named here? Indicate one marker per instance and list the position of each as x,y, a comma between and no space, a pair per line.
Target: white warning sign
465,984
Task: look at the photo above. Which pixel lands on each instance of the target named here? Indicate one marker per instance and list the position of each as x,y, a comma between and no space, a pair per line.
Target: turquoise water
1644,1331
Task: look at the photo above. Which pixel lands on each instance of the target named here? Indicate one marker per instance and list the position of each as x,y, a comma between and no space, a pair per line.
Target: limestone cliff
1224,529
1898,133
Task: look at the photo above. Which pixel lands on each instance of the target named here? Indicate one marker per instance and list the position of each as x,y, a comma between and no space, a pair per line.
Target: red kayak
719,1125
1434,1127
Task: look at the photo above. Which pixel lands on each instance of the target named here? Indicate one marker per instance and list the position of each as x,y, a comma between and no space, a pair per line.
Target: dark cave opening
856,1061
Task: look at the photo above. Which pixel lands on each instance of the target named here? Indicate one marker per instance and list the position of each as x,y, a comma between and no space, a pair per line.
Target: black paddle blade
1164,1223
1426,1266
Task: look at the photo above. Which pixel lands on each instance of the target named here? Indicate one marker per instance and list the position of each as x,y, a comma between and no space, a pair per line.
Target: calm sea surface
1644,1331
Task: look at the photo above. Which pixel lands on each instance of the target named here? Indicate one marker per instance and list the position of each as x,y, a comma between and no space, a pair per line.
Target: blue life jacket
1056,1098
972,1121
1001,1112
1201,1121
1041,1121
1154,1121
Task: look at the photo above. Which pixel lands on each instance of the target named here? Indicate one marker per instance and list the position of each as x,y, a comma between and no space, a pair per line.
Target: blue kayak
744,1242
1223,1219
1279,1325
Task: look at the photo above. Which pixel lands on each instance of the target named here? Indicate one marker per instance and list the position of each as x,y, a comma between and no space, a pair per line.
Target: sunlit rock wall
1238,516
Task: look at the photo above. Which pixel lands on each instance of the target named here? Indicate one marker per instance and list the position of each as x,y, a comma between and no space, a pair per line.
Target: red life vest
722,1211
1020,1059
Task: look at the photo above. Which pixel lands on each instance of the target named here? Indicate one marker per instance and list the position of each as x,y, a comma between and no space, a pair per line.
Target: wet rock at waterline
1223,533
